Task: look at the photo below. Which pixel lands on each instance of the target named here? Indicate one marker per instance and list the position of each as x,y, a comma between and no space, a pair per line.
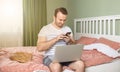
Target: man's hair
62,10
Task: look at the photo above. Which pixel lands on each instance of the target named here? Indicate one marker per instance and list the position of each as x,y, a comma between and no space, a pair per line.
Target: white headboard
96,26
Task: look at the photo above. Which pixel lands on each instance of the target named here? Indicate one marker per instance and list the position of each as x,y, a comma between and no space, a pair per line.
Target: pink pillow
86,40
93,57
112,44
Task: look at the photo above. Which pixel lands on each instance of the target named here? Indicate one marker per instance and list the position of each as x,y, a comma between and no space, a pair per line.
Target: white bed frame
103,26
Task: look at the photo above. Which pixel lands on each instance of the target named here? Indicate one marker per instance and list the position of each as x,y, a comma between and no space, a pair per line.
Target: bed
99,31
21,59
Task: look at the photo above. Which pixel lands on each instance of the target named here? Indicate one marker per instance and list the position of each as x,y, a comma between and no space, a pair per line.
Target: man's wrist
56,39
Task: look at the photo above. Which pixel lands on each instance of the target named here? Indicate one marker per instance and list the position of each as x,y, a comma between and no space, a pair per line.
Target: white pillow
105,49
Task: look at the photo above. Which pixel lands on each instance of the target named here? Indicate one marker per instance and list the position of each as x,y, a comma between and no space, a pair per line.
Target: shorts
47,60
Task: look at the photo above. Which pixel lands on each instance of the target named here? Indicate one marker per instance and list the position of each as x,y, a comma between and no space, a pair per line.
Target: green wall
90,8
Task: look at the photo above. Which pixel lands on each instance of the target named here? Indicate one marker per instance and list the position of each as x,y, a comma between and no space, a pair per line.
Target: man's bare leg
55,67
77,66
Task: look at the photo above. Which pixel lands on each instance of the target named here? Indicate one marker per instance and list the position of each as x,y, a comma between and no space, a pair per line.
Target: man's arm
43,44
72,41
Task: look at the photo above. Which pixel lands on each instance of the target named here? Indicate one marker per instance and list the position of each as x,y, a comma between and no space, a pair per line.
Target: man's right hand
60,37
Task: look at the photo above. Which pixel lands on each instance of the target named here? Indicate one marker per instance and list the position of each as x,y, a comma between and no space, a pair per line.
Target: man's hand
60,37
67,39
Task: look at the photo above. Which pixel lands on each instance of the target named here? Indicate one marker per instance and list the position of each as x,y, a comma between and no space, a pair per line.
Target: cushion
21,57
93,57
86,40
103,48
112,44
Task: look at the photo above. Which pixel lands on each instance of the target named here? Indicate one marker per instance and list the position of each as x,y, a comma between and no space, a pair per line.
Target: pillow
94,57
21,57
103,48
86,40
112,44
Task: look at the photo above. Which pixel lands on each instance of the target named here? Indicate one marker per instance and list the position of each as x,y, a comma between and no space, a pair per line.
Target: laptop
68,53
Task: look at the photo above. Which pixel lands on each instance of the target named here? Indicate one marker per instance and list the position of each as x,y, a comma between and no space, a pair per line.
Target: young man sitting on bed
53,35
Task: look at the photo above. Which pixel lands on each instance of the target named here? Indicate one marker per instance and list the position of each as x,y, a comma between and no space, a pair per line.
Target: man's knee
80,63
55,65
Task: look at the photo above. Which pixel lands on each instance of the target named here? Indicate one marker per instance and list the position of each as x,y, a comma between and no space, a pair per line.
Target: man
53,35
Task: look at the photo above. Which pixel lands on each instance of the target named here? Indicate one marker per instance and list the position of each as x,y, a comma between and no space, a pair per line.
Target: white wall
11,21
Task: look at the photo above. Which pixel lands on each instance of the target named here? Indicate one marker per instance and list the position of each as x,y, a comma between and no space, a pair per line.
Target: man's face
60,19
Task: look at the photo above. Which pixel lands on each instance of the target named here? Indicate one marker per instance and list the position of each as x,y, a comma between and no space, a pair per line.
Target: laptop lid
68,53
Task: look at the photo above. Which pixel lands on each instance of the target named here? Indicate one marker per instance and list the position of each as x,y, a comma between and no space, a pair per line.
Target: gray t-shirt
50,32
